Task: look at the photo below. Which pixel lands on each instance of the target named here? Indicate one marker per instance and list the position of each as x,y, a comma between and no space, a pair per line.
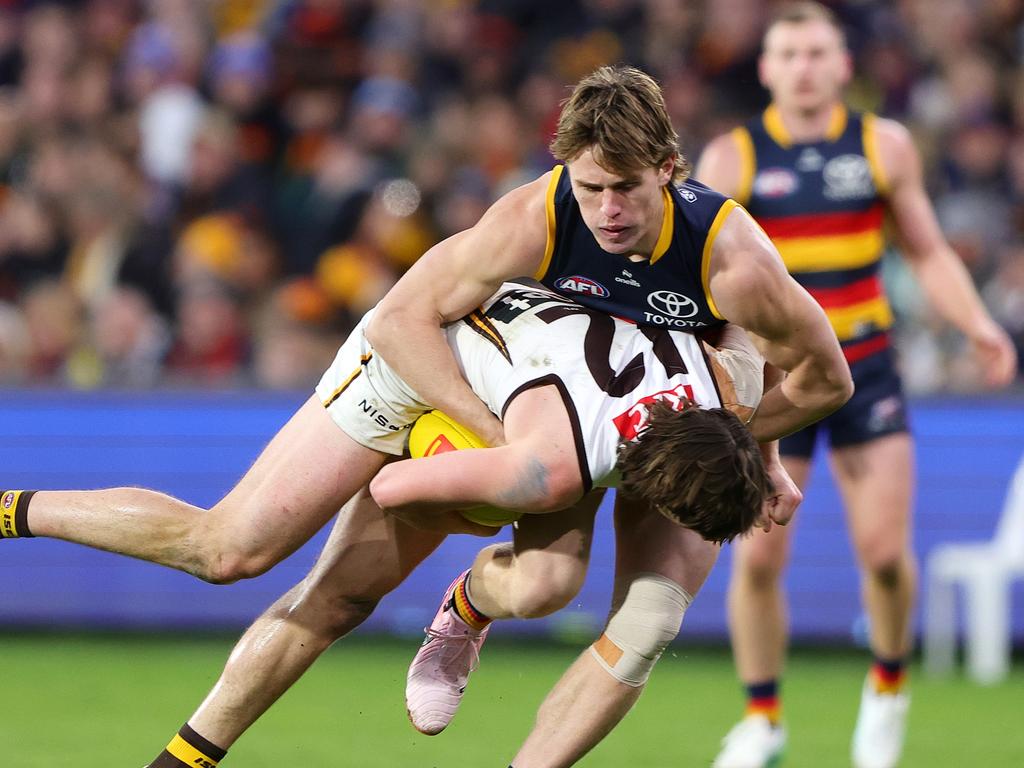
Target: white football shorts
366,398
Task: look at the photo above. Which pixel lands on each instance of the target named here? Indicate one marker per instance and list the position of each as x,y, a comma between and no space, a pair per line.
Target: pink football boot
437,677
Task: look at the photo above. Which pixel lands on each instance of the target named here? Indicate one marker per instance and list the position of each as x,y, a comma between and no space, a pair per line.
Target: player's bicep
457,274
751,287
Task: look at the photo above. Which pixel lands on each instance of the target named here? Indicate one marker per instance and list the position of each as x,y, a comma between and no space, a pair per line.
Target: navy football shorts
876,409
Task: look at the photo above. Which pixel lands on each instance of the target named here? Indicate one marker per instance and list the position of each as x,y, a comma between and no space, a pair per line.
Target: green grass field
103,701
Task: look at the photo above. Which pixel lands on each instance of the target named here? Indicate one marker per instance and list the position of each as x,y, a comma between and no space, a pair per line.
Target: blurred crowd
209,193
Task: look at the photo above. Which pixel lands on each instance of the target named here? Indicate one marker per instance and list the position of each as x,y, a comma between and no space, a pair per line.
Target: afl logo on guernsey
776,182
582,285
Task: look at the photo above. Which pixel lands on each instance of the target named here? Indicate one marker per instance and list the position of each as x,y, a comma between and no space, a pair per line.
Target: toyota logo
673,304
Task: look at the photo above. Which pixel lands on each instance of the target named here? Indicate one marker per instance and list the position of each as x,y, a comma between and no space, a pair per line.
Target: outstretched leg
367,555
309,469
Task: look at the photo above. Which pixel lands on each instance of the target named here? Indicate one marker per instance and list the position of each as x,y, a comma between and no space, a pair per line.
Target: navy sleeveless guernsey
822,204
669,290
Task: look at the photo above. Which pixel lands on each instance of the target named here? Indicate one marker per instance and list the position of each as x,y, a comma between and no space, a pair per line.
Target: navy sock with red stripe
763,699
889,675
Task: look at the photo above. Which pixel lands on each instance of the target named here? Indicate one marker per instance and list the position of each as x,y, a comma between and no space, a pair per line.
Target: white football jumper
607,371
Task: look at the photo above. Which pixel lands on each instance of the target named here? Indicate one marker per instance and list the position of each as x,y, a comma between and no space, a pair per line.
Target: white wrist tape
646,615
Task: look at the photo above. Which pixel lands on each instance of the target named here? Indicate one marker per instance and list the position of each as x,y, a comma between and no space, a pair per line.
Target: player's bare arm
751,287
447,283
946,282
720,167
537,471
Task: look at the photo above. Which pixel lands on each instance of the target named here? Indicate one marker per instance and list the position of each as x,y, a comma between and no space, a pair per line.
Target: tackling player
619,228
820,179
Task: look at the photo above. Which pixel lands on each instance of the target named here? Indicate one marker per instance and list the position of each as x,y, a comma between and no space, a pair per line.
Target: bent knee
224,558
543,592
227,567
640,629
886,565
226,551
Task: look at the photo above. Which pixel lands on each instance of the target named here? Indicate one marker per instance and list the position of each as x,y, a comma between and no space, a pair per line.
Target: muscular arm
504,477
451,280
536,472
942,275
720,167
751,288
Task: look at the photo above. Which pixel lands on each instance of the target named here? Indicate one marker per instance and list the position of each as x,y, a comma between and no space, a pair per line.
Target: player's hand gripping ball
435,433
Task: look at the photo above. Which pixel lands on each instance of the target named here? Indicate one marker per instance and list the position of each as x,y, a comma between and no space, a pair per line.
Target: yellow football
435,432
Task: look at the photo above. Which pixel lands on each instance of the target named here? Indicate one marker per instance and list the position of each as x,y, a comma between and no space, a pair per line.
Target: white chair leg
939,624
988,630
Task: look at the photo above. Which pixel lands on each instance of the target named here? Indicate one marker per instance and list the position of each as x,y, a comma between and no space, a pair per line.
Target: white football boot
881,728
752,743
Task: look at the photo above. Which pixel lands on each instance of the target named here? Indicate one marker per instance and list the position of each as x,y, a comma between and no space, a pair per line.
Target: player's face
624,213
804,65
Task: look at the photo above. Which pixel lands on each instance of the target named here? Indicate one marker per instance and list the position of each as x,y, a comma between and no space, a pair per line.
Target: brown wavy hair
620,113
699,467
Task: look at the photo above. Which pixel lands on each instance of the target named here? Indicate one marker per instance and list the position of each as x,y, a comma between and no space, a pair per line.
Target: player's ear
667,169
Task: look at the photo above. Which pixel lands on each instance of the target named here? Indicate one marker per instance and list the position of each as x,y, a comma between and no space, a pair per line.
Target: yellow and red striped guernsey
822,205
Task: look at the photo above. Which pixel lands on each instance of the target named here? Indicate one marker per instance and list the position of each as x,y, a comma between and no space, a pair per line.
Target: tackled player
521,352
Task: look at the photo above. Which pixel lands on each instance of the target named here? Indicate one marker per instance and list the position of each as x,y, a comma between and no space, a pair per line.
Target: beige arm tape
738,369
646,615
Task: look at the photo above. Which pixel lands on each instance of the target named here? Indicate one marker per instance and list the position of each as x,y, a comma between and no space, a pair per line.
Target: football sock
889,675
188,748
763,699
464,608
14,514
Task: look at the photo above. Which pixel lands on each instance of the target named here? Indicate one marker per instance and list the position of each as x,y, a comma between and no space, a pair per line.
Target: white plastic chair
985,570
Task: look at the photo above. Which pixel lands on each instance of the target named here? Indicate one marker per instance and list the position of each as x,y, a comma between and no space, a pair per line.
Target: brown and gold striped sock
462,603
188,748
14,514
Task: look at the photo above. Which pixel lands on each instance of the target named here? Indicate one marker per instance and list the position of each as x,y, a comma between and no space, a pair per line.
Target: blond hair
619,113
804,11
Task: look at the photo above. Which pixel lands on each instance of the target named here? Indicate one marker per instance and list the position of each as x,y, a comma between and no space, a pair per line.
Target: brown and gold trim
363,360
482,324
